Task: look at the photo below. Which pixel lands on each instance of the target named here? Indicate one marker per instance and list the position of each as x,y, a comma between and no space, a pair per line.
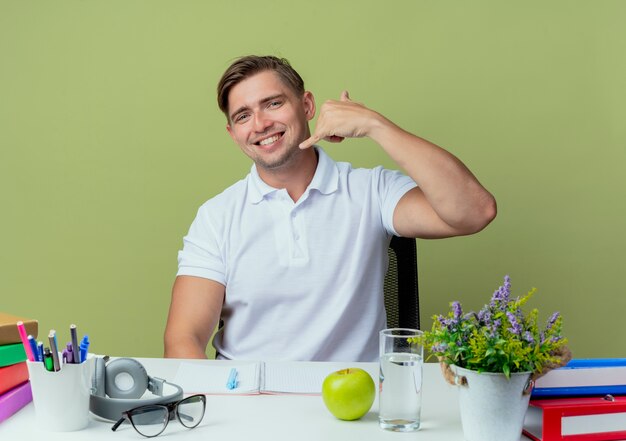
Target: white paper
305,379
580,377
256,377
212,379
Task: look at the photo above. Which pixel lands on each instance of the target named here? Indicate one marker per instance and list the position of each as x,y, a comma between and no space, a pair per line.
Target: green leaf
507,370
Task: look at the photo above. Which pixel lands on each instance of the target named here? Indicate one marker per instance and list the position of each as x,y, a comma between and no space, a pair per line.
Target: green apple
349,393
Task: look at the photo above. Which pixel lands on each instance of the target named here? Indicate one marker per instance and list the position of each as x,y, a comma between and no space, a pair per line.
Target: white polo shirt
304,280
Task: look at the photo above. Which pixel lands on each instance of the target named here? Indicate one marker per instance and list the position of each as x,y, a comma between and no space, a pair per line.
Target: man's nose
261,122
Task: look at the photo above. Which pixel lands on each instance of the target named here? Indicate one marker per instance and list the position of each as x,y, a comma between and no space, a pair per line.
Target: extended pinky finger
308,142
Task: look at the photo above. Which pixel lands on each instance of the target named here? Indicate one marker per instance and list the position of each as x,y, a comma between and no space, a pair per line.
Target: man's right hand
342,119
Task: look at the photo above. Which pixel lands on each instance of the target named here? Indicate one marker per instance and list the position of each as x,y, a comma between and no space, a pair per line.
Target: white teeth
269,140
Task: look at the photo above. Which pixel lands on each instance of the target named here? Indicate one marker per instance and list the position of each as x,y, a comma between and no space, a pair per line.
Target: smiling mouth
270,140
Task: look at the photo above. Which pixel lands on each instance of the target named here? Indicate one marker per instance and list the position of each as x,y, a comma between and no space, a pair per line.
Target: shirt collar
325,180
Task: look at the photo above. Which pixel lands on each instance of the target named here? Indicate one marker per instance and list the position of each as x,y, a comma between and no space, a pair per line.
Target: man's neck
296,177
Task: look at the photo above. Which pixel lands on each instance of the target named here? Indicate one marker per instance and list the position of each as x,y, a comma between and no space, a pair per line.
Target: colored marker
84,347
54,350
47,360
33,346
75,348
68,354
40,351
22,330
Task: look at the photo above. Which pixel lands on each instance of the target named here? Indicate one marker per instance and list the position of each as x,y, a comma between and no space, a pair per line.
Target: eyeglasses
151,420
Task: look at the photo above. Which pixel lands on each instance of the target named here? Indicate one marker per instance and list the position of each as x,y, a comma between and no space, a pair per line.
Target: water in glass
400,398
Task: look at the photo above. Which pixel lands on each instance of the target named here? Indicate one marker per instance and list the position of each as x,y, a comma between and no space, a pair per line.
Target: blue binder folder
584,377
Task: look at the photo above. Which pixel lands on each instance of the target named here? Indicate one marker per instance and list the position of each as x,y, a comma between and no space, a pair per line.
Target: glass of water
401,360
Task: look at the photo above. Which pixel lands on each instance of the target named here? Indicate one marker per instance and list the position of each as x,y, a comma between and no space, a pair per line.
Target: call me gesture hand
342,119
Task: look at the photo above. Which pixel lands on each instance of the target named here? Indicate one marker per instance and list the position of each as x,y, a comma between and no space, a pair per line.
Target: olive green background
110,139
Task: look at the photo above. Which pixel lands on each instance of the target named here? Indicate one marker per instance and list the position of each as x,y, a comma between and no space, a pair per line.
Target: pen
22,330
75,348
84,346
33,347
54,350
232,379
47,360
40,351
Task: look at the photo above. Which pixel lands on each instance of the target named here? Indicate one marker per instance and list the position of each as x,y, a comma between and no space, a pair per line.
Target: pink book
14,400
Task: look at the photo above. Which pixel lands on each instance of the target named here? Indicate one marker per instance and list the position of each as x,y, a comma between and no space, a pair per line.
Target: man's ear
308,101
230,131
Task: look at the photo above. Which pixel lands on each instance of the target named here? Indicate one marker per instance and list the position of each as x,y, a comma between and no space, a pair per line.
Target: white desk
268,417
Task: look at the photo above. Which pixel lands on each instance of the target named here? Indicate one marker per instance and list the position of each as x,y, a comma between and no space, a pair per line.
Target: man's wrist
378,127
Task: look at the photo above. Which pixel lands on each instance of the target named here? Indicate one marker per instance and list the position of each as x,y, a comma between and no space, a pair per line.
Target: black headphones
118,387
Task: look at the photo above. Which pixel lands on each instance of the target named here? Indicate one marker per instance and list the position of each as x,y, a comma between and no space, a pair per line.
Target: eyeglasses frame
172,409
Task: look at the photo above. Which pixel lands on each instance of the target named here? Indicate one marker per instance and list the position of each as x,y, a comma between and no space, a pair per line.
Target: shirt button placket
297,249
294,226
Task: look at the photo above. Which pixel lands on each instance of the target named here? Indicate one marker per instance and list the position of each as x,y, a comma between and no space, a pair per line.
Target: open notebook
259,377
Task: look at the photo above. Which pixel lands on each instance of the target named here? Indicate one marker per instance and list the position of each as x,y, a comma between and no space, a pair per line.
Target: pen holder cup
61,398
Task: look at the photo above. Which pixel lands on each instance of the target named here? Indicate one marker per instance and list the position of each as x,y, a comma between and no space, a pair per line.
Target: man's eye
241,117
275,103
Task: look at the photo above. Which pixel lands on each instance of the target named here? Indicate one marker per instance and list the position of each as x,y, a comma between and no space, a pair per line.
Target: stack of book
584,400
15,390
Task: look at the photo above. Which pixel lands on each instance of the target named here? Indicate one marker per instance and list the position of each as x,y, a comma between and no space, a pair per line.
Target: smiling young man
292,258
268,121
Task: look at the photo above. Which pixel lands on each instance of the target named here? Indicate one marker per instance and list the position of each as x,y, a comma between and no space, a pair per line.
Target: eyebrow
261,102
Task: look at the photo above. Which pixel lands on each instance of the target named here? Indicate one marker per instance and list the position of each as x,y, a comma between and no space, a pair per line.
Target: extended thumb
345,96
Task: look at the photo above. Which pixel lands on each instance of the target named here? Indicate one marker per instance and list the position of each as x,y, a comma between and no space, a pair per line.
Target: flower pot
493,406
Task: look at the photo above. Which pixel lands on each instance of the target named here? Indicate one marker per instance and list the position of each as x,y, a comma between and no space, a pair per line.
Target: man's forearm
451,189
183,347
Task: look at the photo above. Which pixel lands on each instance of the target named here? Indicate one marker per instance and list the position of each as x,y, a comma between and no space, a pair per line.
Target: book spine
8,329
582,391
13,375
12,354
578,363
14,400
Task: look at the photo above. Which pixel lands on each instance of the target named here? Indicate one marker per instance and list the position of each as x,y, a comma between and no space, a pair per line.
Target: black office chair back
400,286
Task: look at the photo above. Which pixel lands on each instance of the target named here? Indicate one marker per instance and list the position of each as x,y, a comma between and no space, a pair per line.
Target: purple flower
528,336
552,320
501,296
507,283
519,315
442,347
496,298
493,328
515,328
456,308
484,316
449,323
445,321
